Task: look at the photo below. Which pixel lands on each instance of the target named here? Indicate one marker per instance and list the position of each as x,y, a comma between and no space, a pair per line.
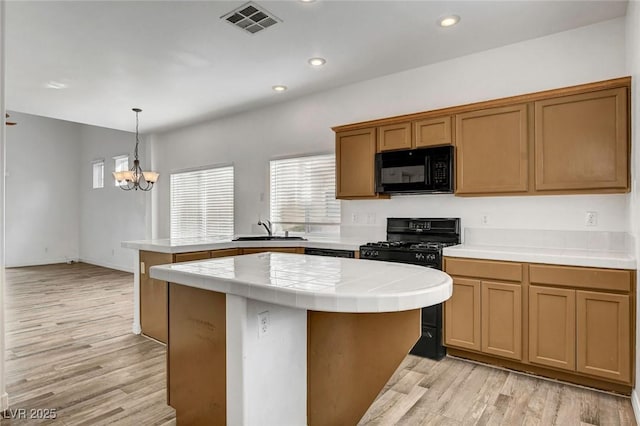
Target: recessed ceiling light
279,88
317,62
55,85
307,1
448,21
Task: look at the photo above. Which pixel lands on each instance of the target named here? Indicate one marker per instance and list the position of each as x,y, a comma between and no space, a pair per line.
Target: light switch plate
142,270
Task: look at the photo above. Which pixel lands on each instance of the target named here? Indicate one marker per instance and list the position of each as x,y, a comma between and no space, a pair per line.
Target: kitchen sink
268,238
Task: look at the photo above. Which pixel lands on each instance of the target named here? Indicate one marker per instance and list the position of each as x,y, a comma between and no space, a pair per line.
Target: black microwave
415,171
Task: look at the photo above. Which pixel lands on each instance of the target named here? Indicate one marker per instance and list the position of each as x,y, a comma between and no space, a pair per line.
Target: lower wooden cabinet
603,335
462,315
299,250
552,327
566,322
502,319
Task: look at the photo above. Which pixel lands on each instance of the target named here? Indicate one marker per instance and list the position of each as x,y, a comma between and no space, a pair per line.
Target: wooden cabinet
492,150
153,296
191,256
394,136
584,328
566,322
484,314
153,293
603,335
572,140
252,250
462,315
355,158
581,141
432,132
417,134
502,319
552,327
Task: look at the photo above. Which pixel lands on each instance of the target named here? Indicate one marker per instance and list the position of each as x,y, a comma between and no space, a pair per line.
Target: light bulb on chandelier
135,178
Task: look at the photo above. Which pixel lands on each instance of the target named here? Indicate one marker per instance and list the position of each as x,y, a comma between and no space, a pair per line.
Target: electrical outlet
263,323
484,219
142,270
591,219
354,218
371,218
113,252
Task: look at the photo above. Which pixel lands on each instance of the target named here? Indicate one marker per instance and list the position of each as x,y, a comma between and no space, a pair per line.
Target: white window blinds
121,164
202,203
98,174
303,192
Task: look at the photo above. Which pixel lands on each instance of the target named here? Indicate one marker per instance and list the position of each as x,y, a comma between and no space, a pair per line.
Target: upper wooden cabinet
394,136
572,140
432,132
417,134
492,151
581,141
355,158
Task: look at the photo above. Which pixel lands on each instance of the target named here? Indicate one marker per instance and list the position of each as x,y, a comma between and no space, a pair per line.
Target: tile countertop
554,256
315,283
183,245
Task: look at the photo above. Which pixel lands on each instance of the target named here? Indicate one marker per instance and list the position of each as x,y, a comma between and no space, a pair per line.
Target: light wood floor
70,347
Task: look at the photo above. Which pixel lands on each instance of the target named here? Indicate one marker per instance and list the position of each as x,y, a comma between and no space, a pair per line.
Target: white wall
633,68
53,214
4,398
108,215
42,191
251,139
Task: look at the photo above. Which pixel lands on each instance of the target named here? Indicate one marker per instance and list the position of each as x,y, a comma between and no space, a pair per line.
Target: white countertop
554,256
314,282
183,245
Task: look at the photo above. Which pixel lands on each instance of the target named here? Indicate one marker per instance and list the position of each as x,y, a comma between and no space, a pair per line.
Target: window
98,174
202,203
121,165
303,194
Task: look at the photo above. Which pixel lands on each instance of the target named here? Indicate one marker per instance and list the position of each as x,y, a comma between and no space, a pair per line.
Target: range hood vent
251,18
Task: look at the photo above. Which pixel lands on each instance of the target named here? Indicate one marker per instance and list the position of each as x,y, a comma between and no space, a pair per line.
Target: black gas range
419,241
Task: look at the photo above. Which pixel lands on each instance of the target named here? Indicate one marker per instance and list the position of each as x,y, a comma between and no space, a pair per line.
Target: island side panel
350,357
153,296
196,355
136,328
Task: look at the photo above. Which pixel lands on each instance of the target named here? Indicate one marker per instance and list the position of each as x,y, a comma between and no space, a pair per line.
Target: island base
308,367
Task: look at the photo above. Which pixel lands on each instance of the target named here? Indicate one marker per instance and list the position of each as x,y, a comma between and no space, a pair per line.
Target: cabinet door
432,132
552,327
502,319
153,297
355,157
603,335
492,151
462,315
581,141
194,255
394,136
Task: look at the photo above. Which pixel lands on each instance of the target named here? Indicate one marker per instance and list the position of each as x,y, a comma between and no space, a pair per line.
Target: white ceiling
180,63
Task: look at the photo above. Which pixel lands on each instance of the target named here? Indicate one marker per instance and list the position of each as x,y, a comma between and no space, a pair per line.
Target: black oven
415,171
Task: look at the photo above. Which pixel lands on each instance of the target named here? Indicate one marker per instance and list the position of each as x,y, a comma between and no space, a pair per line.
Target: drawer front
194,255
225,252
579,277
507,271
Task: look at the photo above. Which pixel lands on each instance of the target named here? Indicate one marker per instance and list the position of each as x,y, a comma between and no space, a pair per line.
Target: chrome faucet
267,225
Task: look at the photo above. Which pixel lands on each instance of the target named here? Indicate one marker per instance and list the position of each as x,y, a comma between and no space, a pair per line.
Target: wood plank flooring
70,347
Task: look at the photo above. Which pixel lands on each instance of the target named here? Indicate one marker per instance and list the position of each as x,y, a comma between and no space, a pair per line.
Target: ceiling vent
251,18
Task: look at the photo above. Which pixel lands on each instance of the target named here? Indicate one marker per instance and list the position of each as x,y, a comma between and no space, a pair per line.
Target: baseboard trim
107,265
635,403
41,262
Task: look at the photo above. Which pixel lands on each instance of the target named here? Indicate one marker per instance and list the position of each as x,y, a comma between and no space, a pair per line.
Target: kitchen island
289,339
149,307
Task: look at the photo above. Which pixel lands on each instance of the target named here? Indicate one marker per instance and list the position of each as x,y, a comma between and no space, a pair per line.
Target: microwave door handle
427,170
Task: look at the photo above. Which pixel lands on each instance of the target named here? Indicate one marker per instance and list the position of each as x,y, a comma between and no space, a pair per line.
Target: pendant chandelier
135,178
